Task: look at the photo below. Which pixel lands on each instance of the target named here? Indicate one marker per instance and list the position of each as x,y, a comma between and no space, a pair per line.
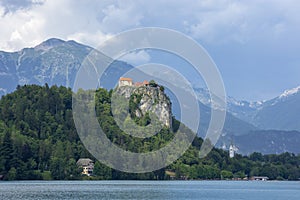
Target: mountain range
56,62
279,113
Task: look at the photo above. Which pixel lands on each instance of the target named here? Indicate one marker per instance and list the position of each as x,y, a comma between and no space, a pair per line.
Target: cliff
148,99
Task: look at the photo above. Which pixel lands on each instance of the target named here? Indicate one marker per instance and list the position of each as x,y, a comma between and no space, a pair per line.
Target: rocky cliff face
149,99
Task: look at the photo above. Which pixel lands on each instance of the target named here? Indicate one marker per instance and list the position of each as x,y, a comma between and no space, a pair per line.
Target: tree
57,168
152,83
12,174
72,170
102,171
256,156
162,88
7,153
240,174
226,174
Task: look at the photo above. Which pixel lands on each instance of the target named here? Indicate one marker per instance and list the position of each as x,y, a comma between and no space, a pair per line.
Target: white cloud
21,28
243,21
92,21
119,17
94,39
136,58
219,24
27,27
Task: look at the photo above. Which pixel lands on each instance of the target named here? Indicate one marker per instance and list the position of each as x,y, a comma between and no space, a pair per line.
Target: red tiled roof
146,82
138,84
125,79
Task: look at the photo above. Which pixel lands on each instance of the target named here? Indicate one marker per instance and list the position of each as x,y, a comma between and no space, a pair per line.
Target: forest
39,142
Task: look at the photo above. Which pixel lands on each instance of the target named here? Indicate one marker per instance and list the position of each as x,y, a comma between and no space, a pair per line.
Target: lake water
205,190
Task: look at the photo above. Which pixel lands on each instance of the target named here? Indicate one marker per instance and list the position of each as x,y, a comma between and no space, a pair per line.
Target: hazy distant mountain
233,125
268,142
243,110
280,113
53,62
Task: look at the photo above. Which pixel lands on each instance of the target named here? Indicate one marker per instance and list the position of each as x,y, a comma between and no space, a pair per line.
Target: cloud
136,58
218,21
243,21
29,26
94,39
119,17
88,21
21,28
13,5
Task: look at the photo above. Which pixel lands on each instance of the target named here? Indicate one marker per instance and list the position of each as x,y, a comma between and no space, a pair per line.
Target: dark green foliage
226,174
39,141
102,171
134,101
7,152
37,133
152,83
162,88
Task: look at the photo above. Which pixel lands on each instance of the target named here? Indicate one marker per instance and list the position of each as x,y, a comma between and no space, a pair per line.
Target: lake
205,190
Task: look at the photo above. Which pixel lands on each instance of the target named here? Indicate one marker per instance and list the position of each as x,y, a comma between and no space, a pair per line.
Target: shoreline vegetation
39,142
86,178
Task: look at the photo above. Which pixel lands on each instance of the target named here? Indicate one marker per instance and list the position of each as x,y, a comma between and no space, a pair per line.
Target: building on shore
87,166
259,178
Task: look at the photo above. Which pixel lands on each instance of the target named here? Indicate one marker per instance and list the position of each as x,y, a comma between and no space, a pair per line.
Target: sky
255,44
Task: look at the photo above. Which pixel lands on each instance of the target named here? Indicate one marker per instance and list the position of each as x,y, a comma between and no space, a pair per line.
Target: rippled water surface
206,190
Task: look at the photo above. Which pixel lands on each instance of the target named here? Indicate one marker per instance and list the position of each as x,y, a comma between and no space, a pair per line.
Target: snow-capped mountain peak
290,92
234,101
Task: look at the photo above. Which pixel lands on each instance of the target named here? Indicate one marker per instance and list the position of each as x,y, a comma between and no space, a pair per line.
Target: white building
125,82
232,151
87,166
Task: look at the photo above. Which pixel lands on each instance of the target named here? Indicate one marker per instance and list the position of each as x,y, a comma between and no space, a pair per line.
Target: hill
39,141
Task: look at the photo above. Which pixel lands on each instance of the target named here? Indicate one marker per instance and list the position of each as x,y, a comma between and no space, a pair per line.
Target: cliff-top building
137,84
123,81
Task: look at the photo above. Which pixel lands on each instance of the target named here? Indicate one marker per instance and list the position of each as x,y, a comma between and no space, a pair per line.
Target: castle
128,82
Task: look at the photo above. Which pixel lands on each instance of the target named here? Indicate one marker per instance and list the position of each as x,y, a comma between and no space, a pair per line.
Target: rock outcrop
149,99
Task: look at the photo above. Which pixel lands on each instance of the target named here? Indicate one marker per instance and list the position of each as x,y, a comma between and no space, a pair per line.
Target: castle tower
125,81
